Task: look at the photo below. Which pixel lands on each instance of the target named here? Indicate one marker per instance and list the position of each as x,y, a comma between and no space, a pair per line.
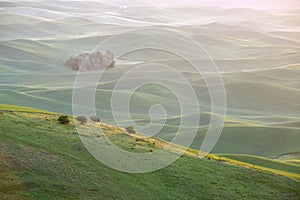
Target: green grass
293,158
296,162
247,139
6,107
285,168
48,161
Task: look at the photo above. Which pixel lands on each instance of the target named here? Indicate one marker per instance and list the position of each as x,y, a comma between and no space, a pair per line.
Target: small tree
95,118
130,129
81,119
63,119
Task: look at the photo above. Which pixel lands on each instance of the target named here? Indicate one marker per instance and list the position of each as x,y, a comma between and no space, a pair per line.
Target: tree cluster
96,60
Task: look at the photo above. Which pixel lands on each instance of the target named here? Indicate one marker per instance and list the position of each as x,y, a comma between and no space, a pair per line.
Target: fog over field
256,50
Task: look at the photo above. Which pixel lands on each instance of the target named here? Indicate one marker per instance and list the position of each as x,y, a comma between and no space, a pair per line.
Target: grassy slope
285,168
293,158
46,160
6,107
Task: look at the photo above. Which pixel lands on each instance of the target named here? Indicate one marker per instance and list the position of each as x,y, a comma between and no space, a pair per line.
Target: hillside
42,159
288,168
256,51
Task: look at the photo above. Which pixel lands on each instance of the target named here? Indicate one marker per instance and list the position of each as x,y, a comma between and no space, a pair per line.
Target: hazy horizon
255,4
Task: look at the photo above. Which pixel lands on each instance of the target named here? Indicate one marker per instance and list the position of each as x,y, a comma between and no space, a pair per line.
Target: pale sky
258,4
253,3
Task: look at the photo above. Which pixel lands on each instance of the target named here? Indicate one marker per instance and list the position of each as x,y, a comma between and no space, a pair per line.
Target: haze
258,4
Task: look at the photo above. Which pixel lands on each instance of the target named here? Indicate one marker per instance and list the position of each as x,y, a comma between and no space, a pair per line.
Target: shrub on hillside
63,119
95,118
81,119
130,129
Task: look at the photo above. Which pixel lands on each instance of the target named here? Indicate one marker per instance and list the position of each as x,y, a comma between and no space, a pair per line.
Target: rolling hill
257,53
43,159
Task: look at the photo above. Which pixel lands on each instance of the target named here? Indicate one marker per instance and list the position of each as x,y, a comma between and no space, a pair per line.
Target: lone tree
63,119
130,129
95,118
81,119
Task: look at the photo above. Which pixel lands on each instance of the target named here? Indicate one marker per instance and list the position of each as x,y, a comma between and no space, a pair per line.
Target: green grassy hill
262,102
42,159
286,168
